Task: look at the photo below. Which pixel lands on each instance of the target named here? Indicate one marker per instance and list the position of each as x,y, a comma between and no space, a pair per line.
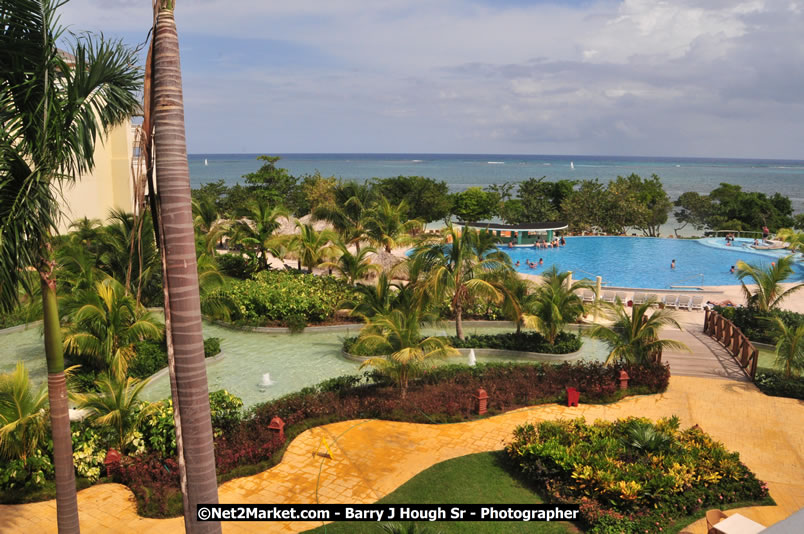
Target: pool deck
372,458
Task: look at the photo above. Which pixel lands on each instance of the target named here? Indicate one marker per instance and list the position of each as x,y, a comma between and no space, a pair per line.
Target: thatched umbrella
389,262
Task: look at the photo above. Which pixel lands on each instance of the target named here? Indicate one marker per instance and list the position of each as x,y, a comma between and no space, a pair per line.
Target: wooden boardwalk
707,358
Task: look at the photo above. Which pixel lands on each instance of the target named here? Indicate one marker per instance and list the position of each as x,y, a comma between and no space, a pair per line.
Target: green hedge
754,324
566,343
152,356
632,476
771,382
282,297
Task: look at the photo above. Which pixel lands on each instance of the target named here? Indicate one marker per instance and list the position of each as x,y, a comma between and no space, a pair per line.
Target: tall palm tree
256,232
312,246
789,347
23,415
461,267
352,267
555,304
635,338
768,293
107,325
387,225
180,275
398,333
517,295
51,114
115,405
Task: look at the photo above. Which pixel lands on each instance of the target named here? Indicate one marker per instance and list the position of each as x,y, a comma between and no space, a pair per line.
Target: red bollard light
624,379
482,401
279,425
573,396
112,462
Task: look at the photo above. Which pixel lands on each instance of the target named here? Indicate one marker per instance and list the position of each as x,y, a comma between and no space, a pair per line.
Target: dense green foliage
272,297
151,356
730,208
772,382
474,204
566,343
427,199
631,475
756,325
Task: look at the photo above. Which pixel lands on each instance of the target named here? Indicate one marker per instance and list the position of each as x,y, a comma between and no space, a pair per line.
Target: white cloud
686,77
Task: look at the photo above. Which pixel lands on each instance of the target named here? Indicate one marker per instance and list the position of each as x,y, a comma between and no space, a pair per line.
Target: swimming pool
645,262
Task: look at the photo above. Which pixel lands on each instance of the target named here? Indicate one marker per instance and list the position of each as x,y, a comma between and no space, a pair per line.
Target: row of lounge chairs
678,302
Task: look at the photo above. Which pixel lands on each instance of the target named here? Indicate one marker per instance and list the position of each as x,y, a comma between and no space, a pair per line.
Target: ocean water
462,171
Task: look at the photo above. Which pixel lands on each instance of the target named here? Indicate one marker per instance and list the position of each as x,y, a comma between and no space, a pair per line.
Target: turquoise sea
461,171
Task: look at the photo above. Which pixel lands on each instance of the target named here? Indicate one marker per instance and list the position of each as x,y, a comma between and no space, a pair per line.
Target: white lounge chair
622,296
639,298
653,297
684,301
670,301
587,295
697,303
608,296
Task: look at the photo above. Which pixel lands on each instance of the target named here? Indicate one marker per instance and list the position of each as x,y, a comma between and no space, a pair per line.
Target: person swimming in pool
732,269
673,264
541,261
517,263
562,242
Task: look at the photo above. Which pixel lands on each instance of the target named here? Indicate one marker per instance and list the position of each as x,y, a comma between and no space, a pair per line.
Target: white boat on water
572,165
205,162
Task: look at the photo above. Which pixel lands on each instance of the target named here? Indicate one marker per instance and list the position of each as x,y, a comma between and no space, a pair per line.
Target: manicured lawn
473,479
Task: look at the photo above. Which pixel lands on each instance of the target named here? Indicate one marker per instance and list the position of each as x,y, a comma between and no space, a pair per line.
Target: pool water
645,262
291,362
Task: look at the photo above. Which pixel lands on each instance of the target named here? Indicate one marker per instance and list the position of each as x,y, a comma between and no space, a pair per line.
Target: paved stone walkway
372,458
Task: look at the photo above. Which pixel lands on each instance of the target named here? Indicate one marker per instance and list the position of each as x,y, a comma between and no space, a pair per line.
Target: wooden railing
732,338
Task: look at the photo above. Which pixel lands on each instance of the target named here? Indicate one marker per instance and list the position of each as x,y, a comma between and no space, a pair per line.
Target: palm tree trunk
173,183
459,321
66,496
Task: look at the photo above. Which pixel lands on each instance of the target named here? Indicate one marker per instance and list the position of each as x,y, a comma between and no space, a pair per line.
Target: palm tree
353,267
517,295
348,213
461,267
795,240
555,304
387,225
768,293
185,342
51,114
23,415
256,232
115,405
635,338
312,246
107,325
789,347
398,334
208,224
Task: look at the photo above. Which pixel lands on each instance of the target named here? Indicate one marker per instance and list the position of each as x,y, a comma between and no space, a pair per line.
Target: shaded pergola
525,233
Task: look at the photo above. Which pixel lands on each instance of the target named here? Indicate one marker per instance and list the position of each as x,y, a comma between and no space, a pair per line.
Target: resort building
110,185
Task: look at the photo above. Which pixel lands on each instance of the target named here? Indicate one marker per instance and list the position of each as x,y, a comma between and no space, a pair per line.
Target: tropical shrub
272,297
774,383
225,409
154,480
151,356
31,472
88,451
524,342
237,265
755,324
631,475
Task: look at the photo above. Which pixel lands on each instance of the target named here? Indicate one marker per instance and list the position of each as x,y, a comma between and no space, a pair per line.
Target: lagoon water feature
255,366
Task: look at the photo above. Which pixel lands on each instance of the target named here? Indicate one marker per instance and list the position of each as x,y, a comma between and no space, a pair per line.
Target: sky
714,78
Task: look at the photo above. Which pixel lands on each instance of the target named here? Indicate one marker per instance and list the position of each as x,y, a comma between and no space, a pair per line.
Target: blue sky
717,78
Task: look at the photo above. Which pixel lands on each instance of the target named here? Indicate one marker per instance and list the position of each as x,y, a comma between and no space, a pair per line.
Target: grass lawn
474,479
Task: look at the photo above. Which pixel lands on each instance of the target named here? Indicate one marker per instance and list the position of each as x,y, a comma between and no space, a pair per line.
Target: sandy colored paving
372,458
